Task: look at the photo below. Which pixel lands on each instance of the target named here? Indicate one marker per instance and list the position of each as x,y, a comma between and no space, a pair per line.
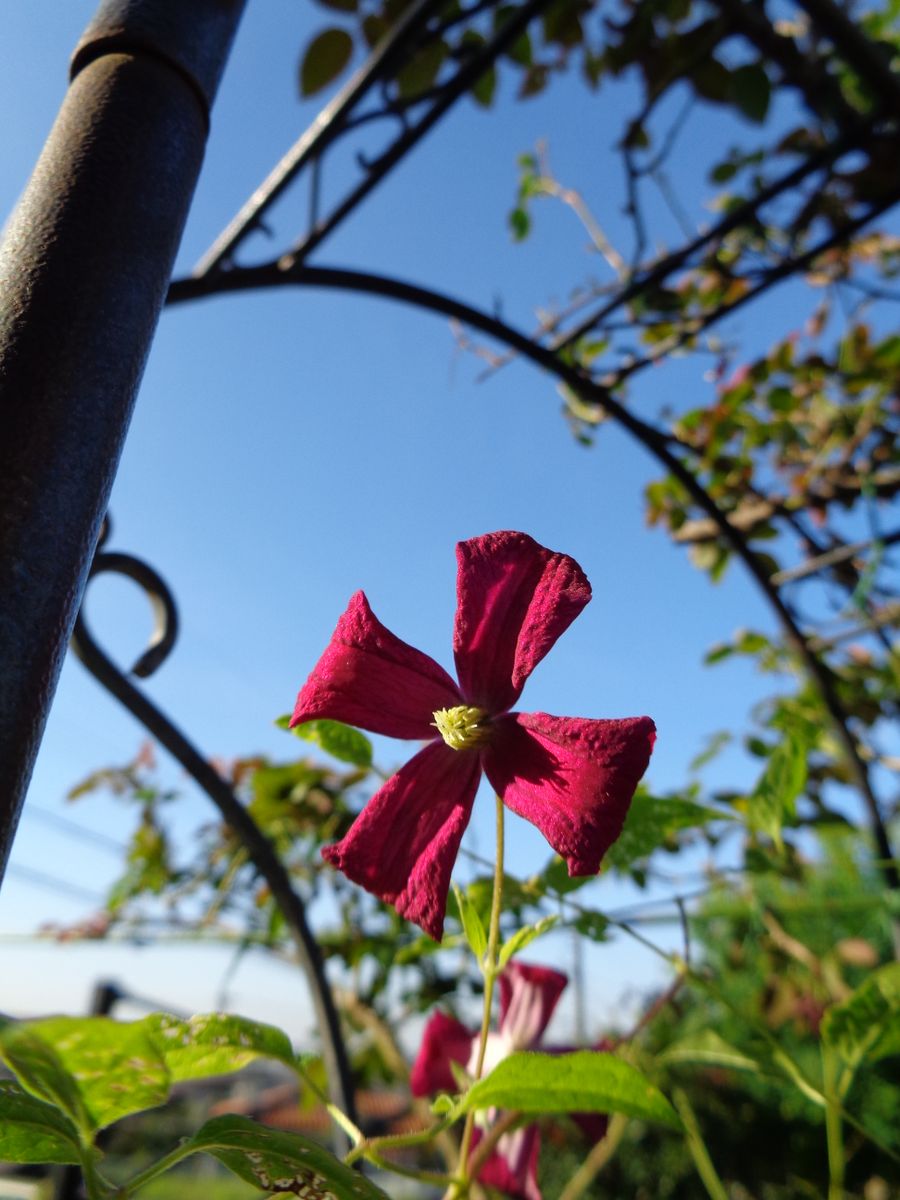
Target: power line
52,884
72,827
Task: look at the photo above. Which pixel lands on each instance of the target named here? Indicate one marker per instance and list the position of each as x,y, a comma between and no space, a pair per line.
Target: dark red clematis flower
572,778
528,996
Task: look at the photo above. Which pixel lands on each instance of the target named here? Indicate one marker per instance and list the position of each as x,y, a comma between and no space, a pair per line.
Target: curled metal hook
162,605
259,849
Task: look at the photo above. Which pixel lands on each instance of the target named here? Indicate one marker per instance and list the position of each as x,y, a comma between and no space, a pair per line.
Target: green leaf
651,822
867,1024
555,877
584,1081
471,923
484,87
41,1072
524,937
34,1132
711,1050
109,1068
274,1161
715,744
751,92
326,56
592,925
775,795
348,6
520,224
420,72
215,1044
342,742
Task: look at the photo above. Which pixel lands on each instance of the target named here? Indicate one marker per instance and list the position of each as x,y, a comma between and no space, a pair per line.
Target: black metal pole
84,268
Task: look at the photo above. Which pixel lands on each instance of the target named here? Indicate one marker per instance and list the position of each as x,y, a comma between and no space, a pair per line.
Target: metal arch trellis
219,271
339,118
346,113
259,850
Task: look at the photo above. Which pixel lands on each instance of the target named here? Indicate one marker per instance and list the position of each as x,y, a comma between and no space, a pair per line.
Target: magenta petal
404,843
368,677
514,599
512,1168
572,778
528,996
444,1040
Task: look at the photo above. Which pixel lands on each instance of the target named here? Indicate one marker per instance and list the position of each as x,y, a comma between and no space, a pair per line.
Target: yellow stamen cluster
461,727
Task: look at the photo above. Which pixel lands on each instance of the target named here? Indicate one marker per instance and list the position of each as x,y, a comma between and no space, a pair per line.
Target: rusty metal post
84,267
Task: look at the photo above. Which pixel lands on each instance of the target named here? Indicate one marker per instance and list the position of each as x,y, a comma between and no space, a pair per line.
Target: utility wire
48,817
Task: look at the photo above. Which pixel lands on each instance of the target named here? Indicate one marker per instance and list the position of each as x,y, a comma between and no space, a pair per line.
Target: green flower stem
158,1168
488,1143
340,1118
95,1185
596,1160
387,1164
714,1187
833,1133
489,970
367,1147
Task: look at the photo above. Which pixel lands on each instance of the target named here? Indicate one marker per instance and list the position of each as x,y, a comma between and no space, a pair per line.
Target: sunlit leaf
524,937
32,1131
652,822
471,923
96,1069
341,741
40,1071
584,1081
215,1044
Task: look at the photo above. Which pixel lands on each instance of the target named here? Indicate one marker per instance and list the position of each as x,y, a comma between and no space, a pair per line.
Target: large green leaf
326,56
215,1044
281,1162
40,1071
32,1131
867,1024
342,742
113,1067
650,823
584,1081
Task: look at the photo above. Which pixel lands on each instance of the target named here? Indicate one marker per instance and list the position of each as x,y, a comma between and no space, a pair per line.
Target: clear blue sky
291,447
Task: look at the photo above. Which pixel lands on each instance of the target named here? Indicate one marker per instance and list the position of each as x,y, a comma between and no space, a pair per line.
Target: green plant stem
94,1184
387,1164
833,1132
596,1160
340,1118
158,1168
714,1187
367,1147
489,970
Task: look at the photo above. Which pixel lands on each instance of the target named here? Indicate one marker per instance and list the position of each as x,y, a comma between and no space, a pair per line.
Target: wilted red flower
528,996
570,777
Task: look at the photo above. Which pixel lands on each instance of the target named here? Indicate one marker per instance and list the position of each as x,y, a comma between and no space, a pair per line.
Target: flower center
461,727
